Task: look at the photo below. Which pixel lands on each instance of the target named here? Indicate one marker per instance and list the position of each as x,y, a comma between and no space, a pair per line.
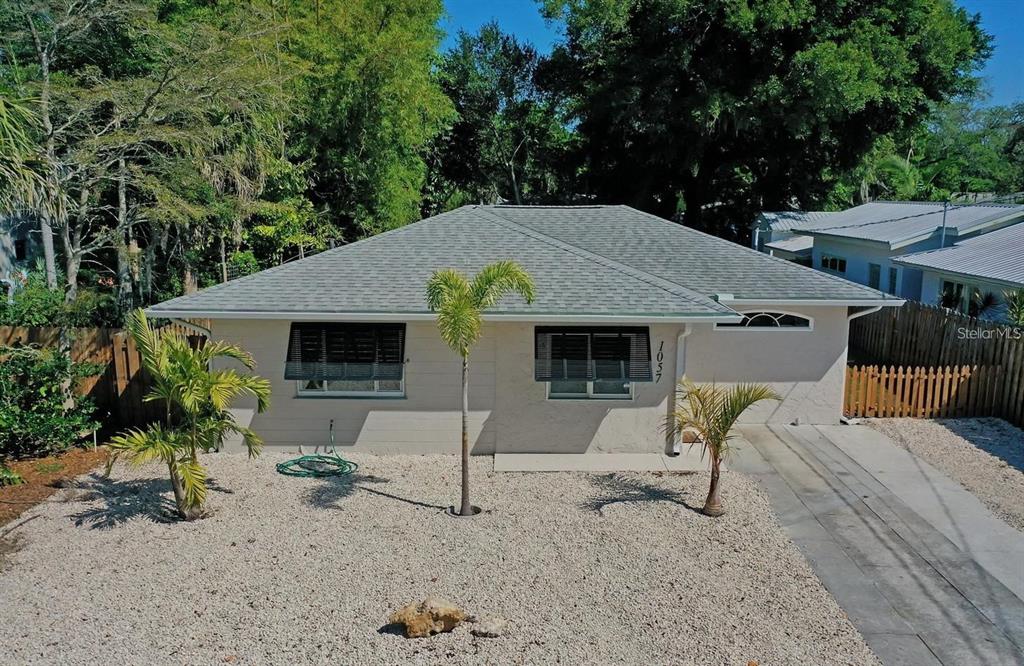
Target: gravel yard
986,456
586,568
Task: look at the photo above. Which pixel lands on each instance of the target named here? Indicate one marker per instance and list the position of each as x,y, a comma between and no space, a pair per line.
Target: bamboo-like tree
711,412
460,305
197,398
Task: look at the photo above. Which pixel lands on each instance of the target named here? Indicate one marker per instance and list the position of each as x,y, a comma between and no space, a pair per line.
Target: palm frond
711,411
193,481
446,286
498,279
144,446
146,341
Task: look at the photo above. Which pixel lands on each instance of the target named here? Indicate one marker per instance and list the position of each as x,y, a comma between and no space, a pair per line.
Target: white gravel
595,569
986,456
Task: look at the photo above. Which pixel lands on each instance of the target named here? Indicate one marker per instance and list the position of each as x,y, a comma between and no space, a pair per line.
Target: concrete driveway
923,569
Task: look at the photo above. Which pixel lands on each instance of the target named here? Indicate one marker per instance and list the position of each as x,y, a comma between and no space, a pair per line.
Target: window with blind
347,359
592,362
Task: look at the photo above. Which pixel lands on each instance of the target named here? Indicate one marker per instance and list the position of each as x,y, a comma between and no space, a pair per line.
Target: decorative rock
489,627
431,616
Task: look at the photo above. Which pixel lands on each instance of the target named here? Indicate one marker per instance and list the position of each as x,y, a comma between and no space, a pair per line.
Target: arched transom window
769,320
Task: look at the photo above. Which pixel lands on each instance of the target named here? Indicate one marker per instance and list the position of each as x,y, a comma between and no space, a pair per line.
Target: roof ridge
636,273
752,251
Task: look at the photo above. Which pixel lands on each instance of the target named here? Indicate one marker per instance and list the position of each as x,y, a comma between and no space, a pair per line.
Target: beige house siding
807,368
510,412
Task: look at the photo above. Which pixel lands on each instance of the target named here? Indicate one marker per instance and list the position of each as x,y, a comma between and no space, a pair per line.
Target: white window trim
324,393
833,271
770,329
590,395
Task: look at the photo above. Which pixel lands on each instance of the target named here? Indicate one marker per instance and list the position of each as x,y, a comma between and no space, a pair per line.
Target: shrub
1015,307
35,304
37,416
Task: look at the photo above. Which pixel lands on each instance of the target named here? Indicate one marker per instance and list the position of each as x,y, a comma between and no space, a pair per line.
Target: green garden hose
318,466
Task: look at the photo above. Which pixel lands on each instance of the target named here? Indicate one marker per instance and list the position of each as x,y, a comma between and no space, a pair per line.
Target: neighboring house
626,304
860,243
960,276
18,246
772,233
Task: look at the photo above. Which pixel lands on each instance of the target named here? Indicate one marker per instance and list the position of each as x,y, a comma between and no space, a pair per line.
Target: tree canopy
166,145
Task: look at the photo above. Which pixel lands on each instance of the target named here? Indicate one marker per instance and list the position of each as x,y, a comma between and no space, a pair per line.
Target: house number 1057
661,361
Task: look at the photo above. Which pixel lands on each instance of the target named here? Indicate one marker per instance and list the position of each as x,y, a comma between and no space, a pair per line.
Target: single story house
960,276
772,233
860,243
626,304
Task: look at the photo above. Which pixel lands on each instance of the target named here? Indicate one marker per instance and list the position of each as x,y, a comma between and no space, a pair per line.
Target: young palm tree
1015,307
711,412
459,305
197,398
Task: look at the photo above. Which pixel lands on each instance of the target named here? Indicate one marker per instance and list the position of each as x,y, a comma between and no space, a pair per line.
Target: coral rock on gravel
431,616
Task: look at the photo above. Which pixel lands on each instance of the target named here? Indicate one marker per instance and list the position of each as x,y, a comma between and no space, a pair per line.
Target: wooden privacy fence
945,392
119,389
922,336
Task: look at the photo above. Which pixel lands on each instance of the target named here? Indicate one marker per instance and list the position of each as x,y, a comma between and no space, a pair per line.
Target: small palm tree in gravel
711,412
460,305
197,398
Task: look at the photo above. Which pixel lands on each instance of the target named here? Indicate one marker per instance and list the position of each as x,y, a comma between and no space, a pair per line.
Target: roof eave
675,318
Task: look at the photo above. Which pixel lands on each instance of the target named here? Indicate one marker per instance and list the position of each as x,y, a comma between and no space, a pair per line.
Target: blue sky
1004,19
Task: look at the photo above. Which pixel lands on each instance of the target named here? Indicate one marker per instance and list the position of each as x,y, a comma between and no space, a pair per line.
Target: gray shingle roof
704,263
997,255
898,223
585,261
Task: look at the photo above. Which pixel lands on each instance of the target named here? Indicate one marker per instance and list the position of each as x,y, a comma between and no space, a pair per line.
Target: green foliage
8,477
197,397
460,304
368,106
711,411
509,142
37,415
35,304
1015,307
961,148
724,109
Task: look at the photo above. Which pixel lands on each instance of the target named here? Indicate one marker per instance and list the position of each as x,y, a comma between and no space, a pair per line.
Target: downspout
677,445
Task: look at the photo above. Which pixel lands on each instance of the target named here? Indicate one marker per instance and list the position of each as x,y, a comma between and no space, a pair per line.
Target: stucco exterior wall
807,368
426,420
510,412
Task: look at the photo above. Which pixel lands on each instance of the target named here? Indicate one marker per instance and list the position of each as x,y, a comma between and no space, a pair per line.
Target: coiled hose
318,466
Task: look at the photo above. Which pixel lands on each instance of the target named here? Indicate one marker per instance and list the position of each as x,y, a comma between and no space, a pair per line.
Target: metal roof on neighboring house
899,223
997,256
794,244
598,261
784,220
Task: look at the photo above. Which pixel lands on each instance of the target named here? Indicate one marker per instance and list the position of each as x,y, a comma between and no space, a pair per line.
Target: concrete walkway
921,570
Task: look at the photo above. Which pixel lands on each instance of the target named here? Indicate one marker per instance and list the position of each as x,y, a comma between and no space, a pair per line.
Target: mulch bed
43,477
